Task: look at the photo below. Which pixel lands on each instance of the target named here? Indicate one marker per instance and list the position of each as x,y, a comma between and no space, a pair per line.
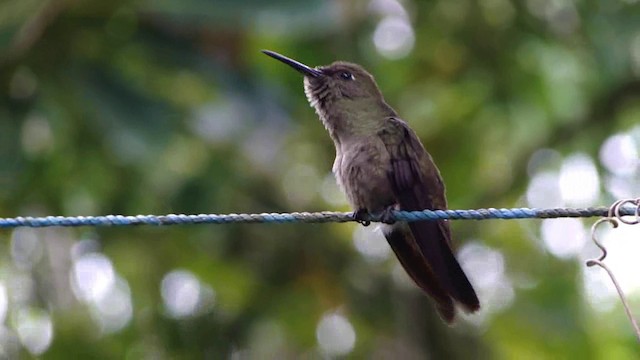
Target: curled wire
617,206
594,238
614,218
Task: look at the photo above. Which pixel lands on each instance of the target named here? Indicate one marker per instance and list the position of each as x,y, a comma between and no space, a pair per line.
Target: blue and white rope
303,217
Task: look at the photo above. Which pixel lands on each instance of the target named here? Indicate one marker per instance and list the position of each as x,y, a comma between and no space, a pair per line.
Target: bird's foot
362,216
387,216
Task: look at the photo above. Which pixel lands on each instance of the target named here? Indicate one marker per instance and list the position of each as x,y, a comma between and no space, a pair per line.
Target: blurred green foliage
167,106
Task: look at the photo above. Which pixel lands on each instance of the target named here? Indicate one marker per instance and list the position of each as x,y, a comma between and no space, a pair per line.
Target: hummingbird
382,166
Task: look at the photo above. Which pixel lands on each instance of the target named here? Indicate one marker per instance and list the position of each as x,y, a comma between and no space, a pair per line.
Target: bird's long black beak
306,70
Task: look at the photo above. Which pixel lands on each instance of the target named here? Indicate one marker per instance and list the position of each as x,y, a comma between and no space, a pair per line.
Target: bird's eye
347,75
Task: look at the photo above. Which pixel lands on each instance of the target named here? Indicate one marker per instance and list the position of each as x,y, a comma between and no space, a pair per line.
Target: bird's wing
417,185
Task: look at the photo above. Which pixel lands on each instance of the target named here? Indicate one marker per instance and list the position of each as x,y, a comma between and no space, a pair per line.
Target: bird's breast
361,169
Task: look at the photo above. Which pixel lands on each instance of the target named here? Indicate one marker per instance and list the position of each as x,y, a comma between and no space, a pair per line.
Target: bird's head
344,94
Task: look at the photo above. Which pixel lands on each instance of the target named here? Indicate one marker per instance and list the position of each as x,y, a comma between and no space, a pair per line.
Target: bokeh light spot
93,277
35,330
394,37
221,120
330,191
23,83
114,311
371,243
486,271
26,247
184,295
564,238
36,135
335,335
387,8
300,184
579,180
543,191
619,154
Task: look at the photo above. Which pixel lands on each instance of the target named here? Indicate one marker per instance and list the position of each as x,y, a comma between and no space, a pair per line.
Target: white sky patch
370,243
564,238
579,180
486,271
619,154
543,191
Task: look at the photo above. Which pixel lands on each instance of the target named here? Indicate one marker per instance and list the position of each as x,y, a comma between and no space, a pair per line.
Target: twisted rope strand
304,217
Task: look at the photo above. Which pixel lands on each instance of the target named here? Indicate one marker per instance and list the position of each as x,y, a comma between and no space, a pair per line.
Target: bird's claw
361,216
387,216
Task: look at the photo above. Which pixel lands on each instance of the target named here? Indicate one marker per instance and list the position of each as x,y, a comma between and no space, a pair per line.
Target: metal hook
618,205
614,217
623,298
595,240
